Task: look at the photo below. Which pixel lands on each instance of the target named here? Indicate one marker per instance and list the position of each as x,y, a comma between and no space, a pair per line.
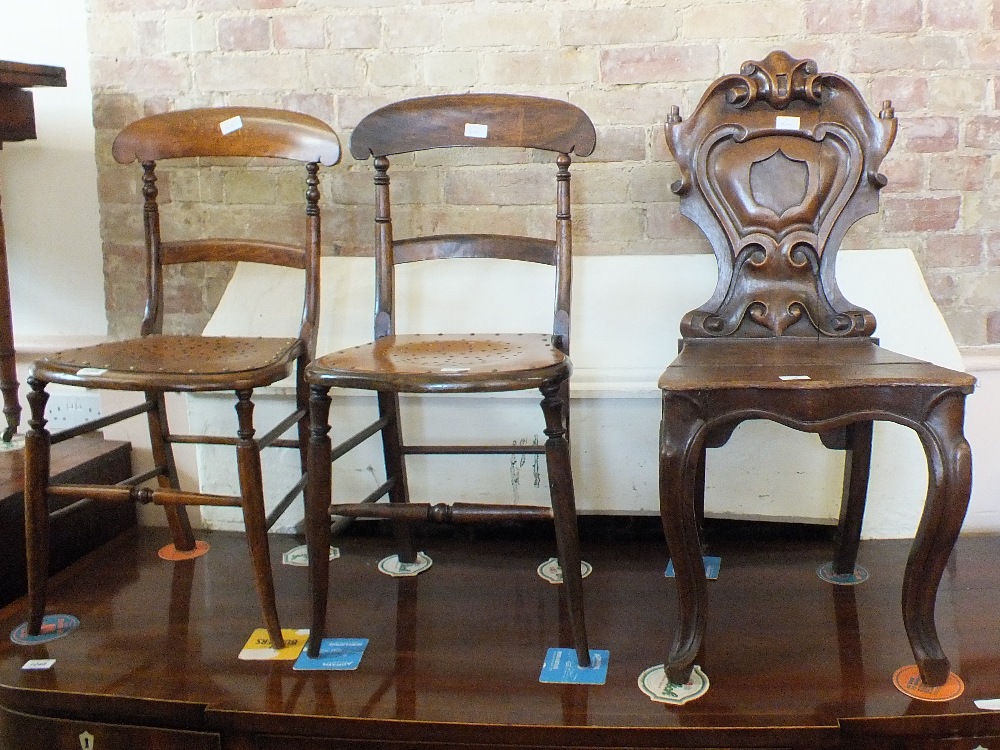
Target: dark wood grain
792,661
154,364
777,163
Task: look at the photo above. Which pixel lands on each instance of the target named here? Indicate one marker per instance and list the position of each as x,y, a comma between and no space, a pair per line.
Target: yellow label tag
259,648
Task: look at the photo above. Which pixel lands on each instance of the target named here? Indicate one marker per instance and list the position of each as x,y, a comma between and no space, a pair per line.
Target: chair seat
800,364
422,363
181,363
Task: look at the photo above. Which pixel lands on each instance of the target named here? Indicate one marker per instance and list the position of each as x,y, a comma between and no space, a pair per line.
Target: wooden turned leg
254,517
302,404
681,446
949,469
318,491
36,508
163,455
857,467
557,459
395,471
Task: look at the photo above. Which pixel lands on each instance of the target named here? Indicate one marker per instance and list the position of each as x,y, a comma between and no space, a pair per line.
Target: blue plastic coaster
712,567
53,627
340,654
561,666
825,571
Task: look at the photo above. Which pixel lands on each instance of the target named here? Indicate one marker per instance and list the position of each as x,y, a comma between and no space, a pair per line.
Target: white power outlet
69,410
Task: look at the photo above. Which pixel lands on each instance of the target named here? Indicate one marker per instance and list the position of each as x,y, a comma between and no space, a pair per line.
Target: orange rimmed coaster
171,553
907,681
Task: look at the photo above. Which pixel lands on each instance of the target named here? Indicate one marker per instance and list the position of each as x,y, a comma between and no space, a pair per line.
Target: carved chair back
473,120
777,164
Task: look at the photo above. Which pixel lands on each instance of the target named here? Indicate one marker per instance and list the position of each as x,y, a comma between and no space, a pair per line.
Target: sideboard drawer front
26,732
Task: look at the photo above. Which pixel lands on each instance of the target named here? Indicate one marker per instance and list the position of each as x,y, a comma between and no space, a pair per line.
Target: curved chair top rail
228,131
474,120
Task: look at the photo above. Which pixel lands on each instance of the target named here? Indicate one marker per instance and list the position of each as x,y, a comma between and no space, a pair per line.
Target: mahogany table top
159,641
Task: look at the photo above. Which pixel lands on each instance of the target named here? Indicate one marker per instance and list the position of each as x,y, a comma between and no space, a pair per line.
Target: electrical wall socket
69,410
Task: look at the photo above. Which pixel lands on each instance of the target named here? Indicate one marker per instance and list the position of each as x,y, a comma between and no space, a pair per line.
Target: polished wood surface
154,364
431,362
86,459
17,123
777,163
793,661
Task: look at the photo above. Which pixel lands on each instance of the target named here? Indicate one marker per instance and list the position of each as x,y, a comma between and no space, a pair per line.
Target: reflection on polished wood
812,665
88,458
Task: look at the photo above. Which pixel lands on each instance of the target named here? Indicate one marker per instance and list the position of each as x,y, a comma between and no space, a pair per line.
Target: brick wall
624,62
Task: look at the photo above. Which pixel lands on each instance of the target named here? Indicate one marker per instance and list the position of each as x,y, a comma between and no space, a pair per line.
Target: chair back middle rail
473,120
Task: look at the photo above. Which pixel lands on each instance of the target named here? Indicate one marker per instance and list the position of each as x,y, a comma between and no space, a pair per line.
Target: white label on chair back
231,125
785,122
794,377
472,130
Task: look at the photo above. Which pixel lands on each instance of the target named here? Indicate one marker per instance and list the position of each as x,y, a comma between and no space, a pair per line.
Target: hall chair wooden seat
264,141
777,163
431,362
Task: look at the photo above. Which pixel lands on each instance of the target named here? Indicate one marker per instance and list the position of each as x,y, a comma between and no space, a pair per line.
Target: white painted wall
49,186
618,352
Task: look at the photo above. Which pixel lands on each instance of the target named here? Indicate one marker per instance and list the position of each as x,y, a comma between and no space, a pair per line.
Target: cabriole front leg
682,436
949,484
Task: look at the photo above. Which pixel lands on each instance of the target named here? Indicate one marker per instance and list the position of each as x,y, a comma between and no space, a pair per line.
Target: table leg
8,365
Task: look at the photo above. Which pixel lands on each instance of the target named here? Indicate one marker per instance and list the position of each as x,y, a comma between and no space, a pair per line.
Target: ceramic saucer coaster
825,571
299,556
654,683
53,627
907,681
171,553
391,565
551,572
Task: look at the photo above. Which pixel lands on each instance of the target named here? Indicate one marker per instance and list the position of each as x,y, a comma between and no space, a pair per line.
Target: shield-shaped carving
779,182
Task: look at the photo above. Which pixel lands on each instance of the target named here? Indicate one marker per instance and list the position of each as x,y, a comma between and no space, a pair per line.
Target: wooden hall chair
155,363
435,363
777,163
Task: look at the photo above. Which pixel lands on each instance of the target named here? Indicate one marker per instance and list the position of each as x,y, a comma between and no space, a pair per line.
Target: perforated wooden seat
154,364
174,363
446,363
433,363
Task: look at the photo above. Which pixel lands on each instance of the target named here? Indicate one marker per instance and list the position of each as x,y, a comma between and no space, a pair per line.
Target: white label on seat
454,369
231,125
794,377
784,122
84,372
472,130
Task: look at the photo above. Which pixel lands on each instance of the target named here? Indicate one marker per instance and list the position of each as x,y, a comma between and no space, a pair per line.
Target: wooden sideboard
83,460
454,654
17,123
